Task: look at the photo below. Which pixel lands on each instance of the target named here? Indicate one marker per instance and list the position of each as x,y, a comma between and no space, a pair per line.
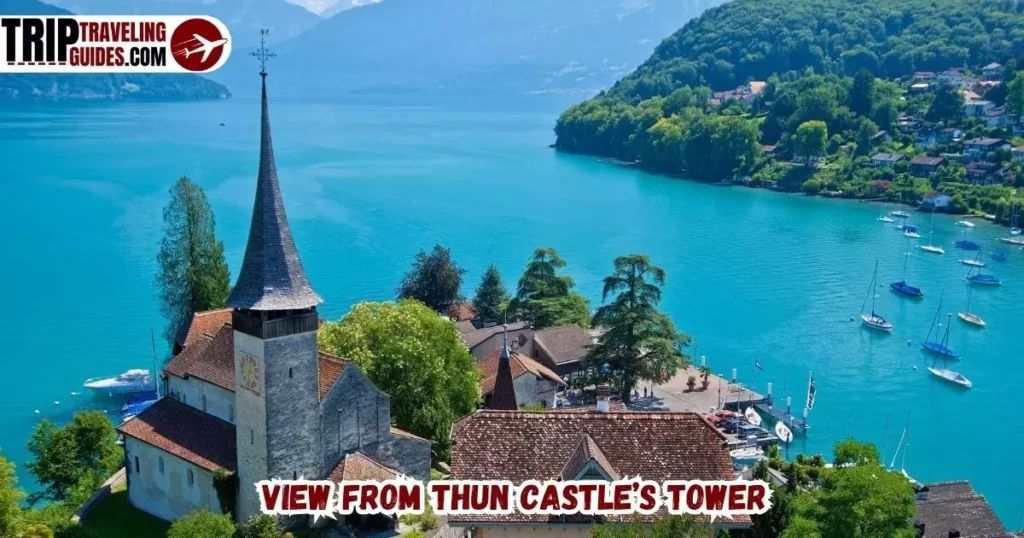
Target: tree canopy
490,298
192,274
547,299
73,460
666,527
417,357
637,341
10,499
202,524
434,280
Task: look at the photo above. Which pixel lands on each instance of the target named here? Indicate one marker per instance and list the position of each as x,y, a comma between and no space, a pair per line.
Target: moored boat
965,224
902,287
999,255
1012,240
967,244
939,347
973,319
973,263
747,453
130,382
950,376
900,214
138,403
984,279
930,247
873,321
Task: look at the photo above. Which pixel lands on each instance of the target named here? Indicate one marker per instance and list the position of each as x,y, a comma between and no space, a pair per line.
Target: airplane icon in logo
206,47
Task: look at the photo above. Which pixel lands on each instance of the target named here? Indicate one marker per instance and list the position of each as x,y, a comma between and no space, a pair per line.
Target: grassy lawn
115,518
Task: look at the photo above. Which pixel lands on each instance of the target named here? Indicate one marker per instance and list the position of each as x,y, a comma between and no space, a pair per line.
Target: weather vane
262,54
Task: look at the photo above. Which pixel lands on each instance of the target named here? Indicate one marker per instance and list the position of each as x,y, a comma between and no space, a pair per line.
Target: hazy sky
320,6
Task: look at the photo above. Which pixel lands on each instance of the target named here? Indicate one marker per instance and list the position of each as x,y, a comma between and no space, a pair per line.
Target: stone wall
410,457
533,390
353,415
293,406
165,485
250,430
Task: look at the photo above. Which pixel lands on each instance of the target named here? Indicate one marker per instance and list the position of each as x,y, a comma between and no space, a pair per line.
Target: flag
757,364
810,394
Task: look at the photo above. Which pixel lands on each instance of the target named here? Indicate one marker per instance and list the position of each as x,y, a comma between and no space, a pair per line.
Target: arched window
160,464
191,478
289,373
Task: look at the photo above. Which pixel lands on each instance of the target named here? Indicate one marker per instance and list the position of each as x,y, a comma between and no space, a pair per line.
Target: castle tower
275,322
503,397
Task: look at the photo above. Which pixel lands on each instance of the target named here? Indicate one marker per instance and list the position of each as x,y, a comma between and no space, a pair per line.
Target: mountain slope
244,18
98,87
479,45
751,39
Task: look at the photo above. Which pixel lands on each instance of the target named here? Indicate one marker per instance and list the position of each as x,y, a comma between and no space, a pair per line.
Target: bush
35,530
76,530
260,526
202,524
425,521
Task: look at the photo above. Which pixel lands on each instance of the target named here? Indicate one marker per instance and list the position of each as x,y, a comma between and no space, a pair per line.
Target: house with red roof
250,394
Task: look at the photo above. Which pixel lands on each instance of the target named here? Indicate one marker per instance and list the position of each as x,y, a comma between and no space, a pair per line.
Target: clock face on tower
250,370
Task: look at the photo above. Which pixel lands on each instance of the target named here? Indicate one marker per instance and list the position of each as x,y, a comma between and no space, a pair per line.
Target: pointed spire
503,397
272,277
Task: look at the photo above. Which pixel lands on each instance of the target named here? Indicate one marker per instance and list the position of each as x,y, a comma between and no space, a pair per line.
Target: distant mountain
504,46
342,5
98,87
244,18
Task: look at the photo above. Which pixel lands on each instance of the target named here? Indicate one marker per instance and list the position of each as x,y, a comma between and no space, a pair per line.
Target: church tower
275,322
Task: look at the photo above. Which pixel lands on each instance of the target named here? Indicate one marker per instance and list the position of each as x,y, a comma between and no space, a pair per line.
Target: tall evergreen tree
638,342
434,280
947,105
545,298
490,296
861,94
193,275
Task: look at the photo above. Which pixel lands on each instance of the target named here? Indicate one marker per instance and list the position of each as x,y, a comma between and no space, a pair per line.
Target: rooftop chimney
604,393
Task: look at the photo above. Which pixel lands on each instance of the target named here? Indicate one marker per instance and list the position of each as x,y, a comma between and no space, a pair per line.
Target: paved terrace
674,395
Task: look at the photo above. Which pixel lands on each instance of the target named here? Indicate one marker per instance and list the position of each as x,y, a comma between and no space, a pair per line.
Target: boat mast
906,254
152,345
967,309
871,292
945,336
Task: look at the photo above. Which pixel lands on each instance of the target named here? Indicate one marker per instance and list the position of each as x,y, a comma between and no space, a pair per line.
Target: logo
112,44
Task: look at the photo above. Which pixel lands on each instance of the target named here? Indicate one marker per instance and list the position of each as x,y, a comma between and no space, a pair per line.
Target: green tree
545,298
811,139
1015,94
10,499
202,524
947,106
865,130
74,459
850,452
862,93
35,530
665,527
260,526
434,280
490,297
192,274
638,342
411,353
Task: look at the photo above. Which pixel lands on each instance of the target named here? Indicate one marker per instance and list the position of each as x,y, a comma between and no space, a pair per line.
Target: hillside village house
886,159
978,149
559,349
925,166
992,71
535,384
977,109
598,444
251,394
1018,154
933,137
954,77
998,118
986,173
935,201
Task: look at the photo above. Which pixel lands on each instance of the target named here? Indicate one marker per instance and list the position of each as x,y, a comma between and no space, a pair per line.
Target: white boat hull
967,317
886,219
965,224
950,376
876,323
973,263
913,235
933,249
1012,240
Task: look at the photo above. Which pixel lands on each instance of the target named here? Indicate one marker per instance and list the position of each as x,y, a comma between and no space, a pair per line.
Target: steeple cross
262,54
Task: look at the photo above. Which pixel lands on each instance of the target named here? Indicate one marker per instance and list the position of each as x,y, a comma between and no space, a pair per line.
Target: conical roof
272,277
503,397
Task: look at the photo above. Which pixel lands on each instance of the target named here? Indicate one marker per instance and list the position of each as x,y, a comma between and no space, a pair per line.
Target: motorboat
984,280
752,416
906,289
138,403
783,433
967,244
950,376
973,263
999,256
130,382
965,224
1014,231
747,453
1012,240
932,248
900,214
973,319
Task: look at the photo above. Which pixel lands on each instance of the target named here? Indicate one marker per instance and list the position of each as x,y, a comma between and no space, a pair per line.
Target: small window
136,464
289,373
160,464
231,413
204,402
191,477
295,475
252,436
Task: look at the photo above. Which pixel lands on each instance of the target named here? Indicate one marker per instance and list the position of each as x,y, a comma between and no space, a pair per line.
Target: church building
251,395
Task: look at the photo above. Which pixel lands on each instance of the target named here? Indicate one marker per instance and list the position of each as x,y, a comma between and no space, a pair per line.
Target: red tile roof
207,322
586,451
358,466
519,446
564,344
212,359
474,338
402,433
520,365
186,432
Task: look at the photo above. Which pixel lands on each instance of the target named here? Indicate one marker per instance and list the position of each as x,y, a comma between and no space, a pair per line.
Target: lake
752,274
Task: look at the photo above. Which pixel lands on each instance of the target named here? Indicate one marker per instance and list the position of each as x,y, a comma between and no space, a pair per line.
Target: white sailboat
883,217
752,416
973,263
965,224
874,321
930,247
1014,230
783,433
945,373
966,316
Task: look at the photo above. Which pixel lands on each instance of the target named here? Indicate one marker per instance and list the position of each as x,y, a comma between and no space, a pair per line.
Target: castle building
251,394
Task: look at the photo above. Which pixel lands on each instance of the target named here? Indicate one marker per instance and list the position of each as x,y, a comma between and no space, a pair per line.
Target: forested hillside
751,39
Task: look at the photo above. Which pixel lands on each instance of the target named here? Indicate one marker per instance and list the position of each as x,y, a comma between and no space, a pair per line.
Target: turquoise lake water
751,274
